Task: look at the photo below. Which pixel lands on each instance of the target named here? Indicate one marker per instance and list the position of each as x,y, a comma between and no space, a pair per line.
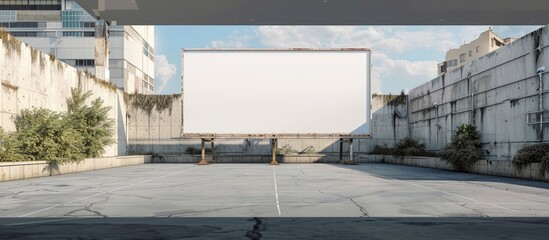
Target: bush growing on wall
8,148
464,150
92,122
45,135
405,147
410,147
534,153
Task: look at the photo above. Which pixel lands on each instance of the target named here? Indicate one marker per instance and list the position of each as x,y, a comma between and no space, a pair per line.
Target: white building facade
63,29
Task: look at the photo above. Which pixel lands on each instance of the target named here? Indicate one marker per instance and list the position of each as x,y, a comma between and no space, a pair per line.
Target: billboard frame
203,136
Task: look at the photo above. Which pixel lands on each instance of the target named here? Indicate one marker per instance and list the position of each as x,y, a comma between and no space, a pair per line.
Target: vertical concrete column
203,160
102,50
273,151
213,149
351,150
340,150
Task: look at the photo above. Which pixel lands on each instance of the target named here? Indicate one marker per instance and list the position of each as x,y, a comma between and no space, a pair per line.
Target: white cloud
387,43
234,41
387,39
393,72
401,74
163,72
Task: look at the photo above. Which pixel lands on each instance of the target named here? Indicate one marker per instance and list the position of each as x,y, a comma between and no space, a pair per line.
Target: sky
403,57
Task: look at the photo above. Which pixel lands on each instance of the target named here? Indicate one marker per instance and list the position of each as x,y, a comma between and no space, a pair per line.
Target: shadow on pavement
403,172
274,228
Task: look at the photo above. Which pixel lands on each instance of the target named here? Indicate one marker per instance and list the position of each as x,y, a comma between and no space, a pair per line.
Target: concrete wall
494,92
10,171
31,79
158,132
389,120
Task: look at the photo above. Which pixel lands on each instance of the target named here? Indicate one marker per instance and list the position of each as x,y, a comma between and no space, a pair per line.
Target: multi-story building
487,42
63,29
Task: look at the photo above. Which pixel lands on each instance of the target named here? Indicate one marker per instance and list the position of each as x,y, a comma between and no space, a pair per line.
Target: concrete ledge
10,171
503,168
303,158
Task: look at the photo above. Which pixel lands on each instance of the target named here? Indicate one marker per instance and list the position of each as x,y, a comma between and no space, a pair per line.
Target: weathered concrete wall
10,171
32,79
158,131
503,168
389,119
494,92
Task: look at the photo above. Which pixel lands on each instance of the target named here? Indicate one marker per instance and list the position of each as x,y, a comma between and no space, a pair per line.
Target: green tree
92,122
8,148
46,135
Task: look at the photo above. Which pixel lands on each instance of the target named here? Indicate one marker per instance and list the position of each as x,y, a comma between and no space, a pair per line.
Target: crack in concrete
361,208
475,210
184,212
87,208
130,195
16,194
255,233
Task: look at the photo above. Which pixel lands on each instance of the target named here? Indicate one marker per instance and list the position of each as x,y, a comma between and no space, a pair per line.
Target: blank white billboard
322,91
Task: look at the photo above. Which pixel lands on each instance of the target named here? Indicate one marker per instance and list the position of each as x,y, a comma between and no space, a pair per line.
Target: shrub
405,147
309,150
193,150
534,153
8,148
92,122
42,134
286,150
409,147
382,150
45,135
464,150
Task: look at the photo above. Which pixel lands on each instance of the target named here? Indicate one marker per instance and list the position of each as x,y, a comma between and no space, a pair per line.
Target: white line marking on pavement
276,192
452,194
101,193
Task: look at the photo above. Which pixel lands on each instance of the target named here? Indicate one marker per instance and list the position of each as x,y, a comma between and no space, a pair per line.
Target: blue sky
403,56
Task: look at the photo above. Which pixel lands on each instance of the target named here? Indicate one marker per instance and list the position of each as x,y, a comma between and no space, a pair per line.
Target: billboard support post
203,154
274,142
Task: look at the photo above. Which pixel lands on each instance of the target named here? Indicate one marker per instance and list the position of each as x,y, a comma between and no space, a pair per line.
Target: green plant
8,148
147,103
465,149
409,147
533,153
286,150
42,134
46,135
92,122
193,150
382,150
309,150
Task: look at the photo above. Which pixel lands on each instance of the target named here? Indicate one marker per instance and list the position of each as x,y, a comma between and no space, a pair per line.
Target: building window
19,24
470,54
23,34
30,5
452,63
8,16
462,57
499,44
73,34
84,62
